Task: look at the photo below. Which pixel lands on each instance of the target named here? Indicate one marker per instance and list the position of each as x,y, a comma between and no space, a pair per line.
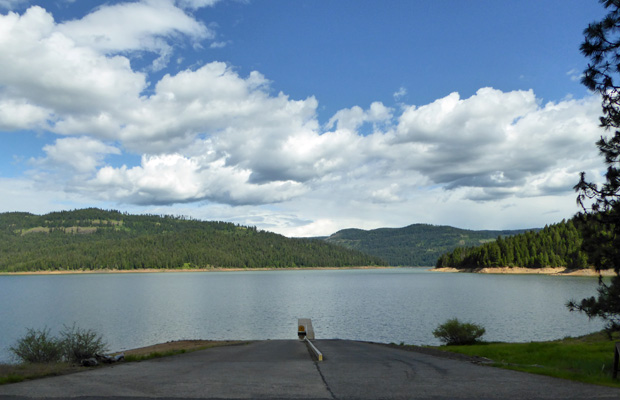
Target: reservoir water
380,305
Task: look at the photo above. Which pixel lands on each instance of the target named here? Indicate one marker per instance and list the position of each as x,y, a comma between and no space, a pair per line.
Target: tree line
93,239
558,245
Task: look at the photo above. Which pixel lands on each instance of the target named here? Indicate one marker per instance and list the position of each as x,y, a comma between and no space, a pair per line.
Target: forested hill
98,239
558,245
413,245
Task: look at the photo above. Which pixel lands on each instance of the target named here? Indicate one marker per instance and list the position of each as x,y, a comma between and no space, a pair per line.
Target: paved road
284,369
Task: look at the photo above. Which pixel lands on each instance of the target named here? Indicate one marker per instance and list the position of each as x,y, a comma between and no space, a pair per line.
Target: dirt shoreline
178,345
560,271
164,270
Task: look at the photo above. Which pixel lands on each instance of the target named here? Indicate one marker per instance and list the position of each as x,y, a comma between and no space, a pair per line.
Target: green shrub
453,332
11,378
78,344
38,347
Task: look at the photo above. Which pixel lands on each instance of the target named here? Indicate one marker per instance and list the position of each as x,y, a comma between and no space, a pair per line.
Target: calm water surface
385,305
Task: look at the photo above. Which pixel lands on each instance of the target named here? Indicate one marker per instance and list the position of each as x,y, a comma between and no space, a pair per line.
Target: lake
380,305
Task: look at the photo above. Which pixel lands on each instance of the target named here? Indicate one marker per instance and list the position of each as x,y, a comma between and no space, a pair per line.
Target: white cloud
80,155
17,114
400,93
219,45
320,227
215,136
210,135
387,194
496,140
352,118
147,25
24,194
454,120
84,92
68,81
10,4
177,179
575,75
196,4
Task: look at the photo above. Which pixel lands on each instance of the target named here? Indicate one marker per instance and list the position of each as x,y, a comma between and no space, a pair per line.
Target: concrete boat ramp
286,369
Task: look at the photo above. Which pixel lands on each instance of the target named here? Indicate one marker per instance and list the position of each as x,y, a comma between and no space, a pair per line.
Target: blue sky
299,117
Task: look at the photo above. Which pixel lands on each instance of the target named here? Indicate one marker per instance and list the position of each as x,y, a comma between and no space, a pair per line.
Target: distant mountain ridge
96,239
417,244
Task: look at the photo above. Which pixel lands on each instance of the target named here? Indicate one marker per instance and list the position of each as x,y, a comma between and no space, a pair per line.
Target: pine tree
602,47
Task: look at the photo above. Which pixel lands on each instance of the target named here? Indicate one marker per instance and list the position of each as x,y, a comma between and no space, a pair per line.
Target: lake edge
559,271
168,270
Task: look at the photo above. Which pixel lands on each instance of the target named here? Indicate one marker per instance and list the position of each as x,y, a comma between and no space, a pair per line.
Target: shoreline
166,270
559,271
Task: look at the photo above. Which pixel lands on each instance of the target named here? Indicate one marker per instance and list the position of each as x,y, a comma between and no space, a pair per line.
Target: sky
299,117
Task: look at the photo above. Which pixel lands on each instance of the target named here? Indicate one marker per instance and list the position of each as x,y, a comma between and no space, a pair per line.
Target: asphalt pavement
285,369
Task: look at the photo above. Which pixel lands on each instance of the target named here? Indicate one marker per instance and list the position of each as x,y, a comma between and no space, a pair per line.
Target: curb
314,350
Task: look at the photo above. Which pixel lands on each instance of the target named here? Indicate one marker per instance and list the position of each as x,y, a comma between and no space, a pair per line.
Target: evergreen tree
98,239
556,245
602,47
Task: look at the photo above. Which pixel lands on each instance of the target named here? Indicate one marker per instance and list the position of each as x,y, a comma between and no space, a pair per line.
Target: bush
38,347
74,345
453,332
78,344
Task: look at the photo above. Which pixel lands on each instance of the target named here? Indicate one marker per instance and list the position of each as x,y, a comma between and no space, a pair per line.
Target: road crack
316,364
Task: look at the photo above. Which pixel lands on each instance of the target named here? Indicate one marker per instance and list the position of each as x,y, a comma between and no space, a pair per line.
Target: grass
156,354
586,359
13,373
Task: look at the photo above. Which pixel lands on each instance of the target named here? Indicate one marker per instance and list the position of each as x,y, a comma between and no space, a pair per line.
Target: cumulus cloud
76,90
210,134
147,25
67,81
80,155
387,194
213,135
176,179
498,142
352,118
74,82
235,142
16,114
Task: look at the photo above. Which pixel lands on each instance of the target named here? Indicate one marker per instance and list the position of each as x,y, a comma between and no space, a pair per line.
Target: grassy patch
586,359
175,348
155,354
12,373
11,378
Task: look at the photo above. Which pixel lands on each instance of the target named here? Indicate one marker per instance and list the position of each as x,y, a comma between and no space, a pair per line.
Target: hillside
97,239
413,245
558,245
